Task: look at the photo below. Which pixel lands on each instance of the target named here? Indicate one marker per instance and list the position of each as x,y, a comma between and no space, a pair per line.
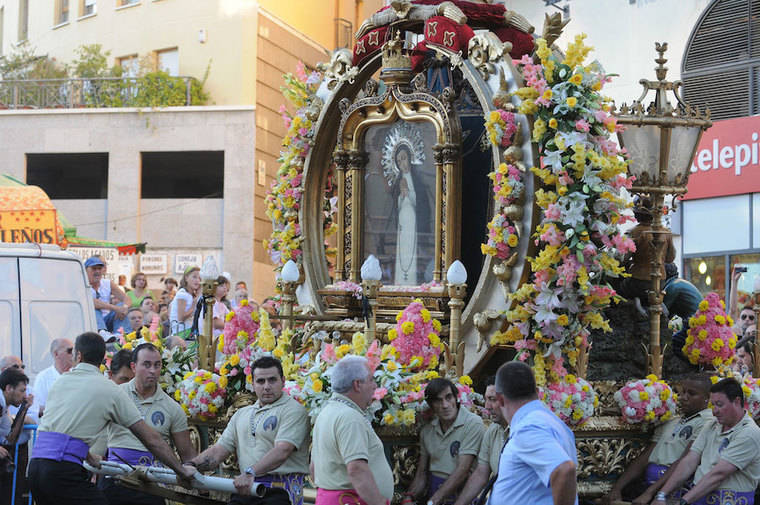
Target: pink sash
338,497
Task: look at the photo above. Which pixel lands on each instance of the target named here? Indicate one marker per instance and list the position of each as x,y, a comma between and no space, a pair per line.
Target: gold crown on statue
394,56
397,66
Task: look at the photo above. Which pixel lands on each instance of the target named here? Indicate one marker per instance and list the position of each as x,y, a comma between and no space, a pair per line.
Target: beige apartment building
190,181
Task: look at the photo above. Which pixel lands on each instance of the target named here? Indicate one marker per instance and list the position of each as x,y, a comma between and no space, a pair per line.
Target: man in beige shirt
160,412
80,405
347,457
490,448
724,457
449,445
671,442
270,439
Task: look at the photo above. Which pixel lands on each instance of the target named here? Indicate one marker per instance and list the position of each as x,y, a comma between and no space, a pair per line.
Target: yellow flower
466,380
577,79
547,95
704,305
407,327
212,408
512,240
425,313
223,381
720,319
223,371
702,334
651,377
563,320
553,123
342,350
234,359
391,366
127,346
392,334
317,386
178,395
388,418
399,315
717,344
571,101
435,341
437,325
643,395
243,303
229,315
570,379
249,379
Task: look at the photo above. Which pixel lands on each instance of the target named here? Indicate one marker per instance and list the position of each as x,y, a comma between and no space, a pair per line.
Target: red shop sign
727,161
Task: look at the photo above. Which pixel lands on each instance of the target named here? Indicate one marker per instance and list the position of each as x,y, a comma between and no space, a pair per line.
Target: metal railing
88,92
16,468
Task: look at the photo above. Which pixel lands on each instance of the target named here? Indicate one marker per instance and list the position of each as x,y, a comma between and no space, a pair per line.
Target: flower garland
710,339
501,127
417,337
572,399
240,328
646,400
201,394
579,237
284,198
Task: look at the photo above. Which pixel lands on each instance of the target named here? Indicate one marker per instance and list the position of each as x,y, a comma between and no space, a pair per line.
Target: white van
44,295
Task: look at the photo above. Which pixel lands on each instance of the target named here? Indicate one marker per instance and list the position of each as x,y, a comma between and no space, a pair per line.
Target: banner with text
28,226
727,161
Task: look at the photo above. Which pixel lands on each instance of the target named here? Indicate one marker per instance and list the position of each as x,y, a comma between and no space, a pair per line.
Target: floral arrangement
284,198
354,288
572,399
240,352
501,127
751,388
201,394
150,334
646,400
710,339
177,362
416,337
579,240
240,328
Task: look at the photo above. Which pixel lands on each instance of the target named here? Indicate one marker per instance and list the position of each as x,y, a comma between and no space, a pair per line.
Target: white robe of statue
405,273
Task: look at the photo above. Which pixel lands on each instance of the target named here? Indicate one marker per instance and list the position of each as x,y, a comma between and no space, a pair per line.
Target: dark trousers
272,497
118,495
62,483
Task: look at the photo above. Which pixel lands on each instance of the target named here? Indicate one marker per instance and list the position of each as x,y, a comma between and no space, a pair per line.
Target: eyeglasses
16,365
751,317
70,350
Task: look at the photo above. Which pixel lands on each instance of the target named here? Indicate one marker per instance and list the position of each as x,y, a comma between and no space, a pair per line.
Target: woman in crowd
182,308
139,291
220,310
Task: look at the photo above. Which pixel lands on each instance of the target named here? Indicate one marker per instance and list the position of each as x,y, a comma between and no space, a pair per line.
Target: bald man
11,362
61,349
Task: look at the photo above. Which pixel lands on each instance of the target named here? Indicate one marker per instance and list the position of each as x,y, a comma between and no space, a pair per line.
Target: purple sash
435,483
654,472
131,457
727,497
338,497
292,483
59,447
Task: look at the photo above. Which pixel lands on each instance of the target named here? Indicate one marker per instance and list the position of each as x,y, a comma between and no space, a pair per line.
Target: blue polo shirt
538,443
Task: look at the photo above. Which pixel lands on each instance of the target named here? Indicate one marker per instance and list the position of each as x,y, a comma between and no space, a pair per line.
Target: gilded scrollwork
605,457
339,69
485,50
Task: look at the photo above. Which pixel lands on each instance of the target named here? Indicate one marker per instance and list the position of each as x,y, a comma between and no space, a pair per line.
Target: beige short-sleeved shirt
462,437
739,446
491,446
674,436
284,420
159,411
82,403
342,434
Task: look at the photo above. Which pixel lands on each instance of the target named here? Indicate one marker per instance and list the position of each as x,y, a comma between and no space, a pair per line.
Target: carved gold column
288,300
341,163
356,162
439,225
456,304
205,337
655,295
370,289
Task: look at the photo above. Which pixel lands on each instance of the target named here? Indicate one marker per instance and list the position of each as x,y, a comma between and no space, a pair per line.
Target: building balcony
157,89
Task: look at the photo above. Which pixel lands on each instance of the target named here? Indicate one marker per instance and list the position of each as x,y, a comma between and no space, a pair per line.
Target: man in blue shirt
538,463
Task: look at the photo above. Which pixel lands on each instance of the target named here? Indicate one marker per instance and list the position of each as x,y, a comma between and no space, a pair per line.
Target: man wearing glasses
62,351
11,362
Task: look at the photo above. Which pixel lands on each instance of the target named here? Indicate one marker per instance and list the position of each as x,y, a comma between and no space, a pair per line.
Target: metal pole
456,304
655,295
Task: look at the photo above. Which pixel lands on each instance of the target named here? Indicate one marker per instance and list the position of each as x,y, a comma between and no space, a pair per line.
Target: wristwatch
250,471
683,502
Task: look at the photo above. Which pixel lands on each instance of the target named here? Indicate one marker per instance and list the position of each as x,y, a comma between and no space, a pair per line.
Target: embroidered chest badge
454,448
723,445
158,418
270,423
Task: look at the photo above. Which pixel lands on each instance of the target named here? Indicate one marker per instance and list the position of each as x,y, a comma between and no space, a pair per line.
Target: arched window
721,65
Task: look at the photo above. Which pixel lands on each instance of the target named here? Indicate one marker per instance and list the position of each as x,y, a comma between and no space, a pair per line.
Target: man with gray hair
61,349
348,461
11,362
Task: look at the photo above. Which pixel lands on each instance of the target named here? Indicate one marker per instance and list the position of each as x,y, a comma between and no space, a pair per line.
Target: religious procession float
450,196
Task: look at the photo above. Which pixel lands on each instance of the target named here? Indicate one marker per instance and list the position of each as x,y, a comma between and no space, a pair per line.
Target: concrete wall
623,35
223,226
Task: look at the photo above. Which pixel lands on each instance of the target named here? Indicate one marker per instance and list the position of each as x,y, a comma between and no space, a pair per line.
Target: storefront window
716,224
707,273
746,279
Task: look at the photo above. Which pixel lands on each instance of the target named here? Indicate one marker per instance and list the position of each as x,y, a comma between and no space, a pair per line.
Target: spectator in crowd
139,290
681,299
669,444
348,462
61,349
182,308
102,290
724,457
220,311
241,285
270,305
166,297
13,384
170,285
11,362
449,445
149,305
135,319
269,438
745,326
537,465
490,448
240,295
121,370
744,362
163,318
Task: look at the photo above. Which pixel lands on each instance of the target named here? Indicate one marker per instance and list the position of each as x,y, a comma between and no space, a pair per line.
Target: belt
59,447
